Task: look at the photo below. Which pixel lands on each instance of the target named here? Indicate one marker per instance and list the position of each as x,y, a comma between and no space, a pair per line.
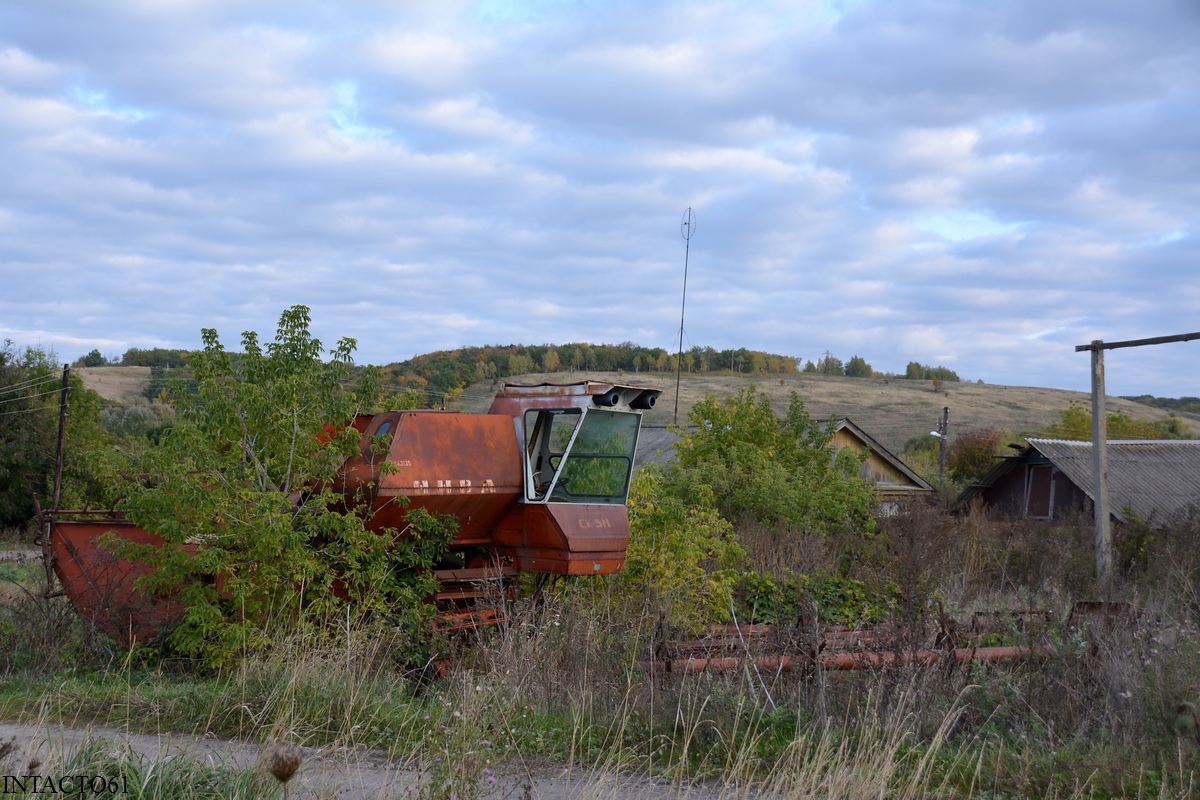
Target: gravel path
329,774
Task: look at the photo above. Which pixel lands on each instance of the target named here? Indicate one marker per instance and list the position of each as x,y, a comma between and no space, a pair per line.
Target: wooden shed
1052,479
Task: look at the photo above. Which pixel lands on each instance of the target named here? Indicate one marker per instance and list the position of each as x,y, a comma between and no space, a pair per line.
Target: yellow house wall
876,468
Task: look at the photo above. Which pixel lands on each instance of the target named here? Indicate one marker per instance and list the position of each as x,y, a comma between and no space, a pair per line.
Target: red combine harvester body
538,484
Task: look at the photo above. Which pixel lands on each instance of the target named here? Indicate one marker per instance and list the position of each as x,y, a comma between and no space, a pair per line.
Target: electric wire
27,410
12,387
30,396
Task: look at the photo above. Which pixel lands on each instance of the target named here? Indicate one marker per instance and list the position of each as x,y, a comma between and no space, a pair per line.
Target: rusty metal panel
588,527
102,586
455,454
468,466
568,527
562,562
565,538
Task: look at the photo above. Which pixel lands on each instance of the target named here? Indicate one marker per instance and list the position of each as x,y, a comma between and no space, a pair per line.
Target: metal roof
1156,478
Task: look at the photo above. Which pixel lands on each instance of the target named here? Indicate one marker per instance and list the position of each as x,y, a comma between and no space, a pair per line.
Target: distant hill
119,384
891,410
1180,405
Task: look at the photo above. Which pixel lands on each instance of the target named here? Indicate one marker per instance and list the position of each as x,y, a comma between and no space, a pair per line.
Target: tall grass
98,767
1110,712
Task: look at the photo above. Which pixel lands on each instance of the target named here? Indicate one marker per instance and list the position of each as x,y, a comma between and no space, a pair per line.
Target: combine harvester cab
577,445
538,484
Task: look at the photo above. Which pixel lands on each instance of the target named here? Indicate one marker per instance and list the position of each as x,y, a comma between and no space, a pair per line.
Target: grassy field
893,411
1096,716
120,384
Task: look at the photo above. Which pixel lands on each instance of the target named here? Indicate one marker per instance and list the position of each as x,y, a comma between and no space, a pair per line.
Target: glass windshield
547,434
600,463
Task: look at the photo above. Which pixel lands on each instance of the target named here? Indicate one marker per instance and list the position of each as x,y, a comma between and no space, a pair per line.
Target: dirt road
329,774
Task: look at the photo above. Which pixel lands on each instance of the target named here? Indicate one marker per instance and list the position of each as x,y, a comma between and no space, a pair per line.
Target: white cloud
20,69
426,58
955,181
466,115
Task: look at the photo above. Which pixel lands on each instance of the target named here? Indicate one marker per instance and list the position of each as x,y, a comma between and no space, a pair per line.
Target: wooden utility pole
48,520
62,434
1100,448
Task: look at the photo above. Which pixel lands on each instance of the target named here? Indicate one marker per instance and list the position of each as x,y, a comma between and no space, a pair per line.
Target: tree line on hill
1176,405
446,373
452,370
857,367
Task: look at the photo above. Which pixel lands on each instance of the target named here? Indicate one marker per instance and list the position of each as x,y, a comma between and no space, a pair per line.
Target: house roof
911,480
1155,478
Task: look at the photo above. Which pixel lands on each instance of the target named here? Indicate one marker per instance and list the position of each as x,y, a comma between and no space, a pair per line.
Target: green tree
155,357
29,390
93,359
858,367
831,365
1173,426
772,470
973,453
1075,424
922,372
248,474
680,552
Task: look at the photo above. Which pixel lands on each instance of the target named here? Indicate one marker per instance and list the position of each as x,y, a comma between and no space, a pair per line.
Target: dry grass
1096,717
119,384
892,411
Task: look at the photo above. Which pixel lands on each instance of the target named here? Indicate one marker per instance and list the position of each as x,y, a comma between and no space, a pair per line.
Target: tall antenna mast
687,228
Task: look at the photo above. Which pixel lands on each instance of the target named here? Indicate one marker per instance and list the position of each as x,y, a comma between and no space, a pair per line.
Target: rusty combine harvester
538,484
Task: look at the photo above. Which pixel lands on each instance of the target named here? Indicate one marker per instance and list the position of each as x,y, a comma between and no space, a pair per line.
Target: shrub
772,470
247,472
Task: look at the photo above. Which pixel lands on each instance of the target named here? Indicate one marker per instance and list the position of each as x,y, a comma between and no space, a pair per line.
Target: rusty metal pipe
844,661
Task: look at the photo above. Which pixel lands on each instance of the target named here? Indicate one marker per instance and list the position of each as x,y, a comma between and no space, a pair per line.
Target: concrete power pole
1100,472
1100,448
943,427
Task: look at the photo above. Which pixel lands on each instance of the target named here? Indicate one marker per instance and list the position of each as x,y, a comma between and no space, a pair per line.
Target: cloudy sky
979,185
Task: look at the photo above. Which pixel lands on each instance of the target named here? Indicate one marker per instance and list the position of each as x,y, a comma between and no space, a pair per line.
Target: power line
35,381
29,396
25,411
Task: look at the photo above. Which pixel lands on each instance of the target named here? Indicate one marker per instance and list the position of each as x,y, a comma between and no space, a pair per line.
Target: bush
247,471
769,470
973,453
